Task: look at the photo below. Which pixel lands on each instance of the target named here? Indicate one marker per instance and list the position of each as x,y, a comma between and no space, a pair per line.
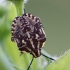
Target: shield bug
29,35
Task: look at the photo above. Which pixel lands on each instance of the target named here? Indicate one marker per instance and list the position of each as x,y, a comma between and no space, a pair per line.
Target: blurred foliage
7,14
10,58
4,62
63,63
4,23
19,5
3,11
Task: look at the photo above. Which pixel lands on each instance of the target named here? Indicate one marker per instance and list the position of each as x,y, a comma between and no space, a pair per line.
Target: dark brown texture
28,33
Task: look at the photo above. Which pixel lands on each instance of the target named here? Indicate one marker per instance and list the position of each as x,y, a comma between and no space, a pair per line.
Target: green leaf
12,13
4,27
63,63
19,5
3,11
13,52
4,63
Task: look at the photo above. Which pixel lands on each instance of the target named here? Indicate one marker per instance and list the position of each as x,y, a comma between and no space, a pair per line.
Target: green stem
19,7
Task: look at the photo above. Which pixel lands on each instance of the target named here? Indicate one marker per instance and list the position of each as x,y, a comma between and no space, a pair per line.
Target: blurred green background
55,16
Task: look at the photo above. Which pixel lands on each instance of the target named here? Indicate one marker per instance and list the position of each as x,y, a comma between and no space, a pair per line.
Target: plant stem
19,4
